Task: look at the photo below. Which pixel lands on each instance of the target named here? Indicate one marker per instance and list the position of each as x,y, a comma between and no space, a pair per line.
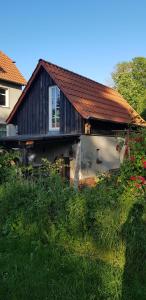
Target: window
3,97
54,108
3,130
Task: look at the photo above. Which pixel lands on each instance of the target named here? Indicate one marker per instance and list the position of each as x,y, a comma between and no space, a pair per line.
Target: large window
54,108
3,97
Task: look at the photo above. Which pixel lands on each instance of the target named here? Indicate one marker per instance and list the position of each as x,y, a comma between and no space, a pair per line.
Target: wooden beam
77,165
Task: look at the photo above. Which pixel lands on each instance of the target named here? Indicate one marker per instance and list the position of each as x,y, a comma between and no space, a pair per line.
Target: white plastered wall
13,93
98,154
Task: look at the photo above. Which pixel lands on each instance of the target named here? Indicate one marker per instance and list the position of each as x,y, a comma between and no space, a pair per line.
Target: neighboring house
63,114
11,82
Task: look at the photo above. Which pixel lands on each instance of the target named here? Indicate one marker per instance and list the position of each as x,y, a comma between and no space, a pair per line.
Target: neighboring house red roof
90,99
9,71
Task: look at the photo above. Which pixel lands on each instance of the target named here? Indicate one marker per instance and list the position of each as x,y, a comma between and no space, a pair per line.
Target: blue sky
88,37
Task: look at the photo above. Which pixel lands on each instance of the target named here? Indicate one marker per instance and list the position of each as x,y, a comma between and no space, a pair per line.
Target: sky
86,36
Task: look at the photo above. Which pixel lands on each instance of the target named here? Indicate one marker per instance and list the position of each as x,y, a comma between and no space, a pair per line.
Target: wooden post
87,128
77,166
25,156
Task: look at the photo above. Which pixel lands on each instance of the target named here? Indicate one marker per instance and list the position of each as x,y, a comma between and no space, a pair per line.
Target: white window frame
50,109
6,96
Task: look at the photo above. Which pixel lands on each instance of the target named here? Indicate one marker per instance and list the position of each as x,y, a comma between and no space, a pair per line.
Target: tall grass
58,243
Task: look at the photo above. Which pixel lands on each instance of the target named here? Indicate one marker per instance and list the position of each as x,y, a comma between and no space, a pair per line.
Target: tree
130,80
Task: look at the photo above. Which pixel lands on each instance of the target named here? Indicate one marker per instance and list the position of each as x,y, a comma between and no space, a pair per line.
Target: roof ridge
82,76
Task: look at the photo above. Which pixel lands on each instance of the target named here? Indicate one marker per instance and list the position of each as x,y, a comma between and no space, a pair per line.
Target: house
11,82
63,114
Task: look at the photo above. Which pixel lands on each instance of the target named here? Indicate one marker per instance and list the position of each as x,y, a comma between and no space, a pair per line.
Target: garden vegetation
57,243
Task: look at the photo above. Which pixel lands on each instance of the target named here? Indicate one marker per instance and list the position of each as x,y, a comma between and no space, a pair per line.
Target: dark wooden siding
33,114
70,119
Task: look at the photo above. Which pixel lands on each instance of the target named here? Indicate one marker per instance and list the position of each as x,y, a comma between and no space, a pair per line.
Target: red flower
126,151
133,178
144,164
138,185
142,179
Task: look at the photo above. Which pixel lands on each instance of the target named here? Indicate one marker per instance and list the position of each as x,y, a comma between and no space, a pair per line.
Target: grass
31,270
60,244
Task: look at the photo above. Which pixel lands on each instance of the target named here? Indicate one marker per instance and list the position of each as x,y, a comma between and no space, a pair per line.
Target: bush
7,165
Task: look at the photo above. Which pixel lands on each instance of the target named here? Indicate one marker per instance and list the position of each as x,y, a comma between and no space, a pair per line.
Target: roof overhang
130,124
12,114
20,140
12,81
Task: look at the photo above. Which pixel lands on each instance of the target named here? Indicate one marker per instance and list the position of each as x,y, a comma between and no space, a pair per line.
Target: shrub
133,170
7,165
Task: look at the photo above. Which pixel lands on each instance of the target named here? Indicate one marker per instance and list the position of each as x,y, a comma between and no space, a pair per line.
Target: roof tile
92,99
9,71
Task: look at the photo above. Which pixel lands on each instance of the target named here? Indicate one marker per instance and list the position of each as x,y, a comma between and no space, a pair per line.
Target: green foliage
130,81
59,243
7,165
134,162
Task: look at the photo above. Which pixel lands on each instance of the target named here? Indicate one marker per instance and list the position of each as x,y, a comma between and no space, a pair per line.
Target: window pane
2,100
57,113
58,102
57,123
53,123
53,103
53,92
2,91
57,91
53,113
57,97
55,107
3,130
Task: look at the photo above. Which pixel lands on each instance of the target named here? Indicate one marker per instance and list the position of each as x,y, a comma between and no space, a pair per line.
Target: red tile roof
90,99
9,71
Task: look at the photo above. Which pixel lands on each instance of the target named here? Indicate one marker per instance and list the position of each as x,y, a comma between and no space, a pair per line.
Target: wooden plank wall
33,115
70,119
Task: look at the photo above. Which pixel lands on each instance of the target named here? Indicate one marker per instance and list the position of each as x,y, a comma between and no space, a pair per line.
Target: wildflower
126,151
144,164
142,179
133,178
138,185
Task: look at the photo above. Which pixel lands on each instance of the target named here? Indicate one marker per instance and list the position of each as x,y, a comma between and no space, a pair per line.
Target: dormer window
54,108
3,97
